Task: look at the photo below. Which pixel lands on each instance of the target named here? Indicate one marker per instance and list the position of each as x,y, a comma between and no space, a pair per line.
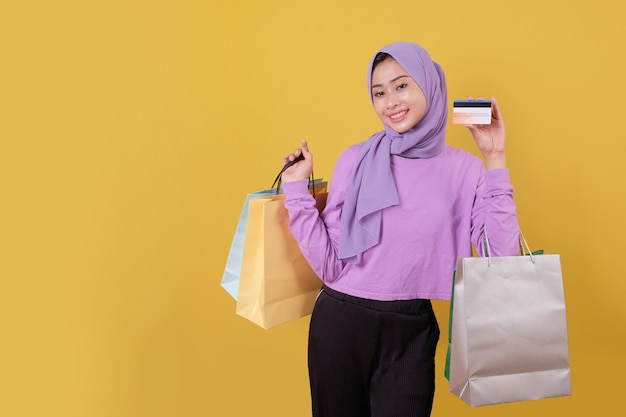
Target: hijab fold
372,186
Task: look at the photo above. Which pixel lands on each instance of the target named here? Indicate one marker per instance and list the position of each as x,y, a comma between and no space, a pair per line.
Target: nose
392,101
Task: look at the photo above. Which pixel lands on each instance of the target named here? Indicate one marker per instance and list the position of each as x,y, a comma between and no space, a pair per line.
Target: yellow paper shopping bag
277,284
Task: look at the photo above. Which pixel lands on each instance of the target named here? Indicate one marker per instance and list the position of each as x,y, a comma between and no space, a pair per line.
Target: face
398,101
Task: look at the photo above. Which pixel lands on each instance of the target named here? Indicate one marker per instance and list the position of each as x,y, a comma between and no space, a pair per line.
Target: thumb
305,149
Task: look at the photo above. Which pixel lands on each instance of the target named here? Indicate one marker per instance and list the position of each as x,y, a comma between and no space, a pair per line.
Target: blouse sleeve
318,235
495,212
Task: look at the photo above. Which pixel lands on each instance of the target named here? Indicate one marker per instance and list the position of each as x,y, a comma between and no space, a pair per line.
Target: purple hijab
372,186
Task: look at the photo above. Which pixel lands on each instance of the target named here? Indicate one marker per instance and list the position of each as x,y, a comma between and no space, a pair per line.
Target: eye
402,86
378,94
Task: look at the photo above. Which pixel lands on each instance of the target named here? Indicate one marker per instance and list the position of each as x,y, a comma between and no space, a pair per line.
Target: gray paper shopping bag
509,337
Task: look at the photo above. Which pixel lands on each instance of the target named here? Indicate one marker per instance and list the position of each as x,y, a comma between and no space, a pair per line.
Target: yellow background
132,130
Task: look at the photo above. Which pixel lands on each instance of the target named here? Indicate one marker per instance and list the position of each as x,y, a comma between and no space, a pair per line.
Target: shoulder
351,153
462,157
344,166
463,164
348,158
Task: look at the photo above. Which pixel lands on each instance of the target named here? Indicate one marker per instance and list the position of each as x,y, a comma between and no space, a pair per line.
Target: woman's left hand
490,138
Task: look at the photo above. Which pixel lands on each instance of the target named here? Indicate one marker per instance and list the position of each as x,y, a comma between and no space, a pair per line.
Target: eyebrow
392,81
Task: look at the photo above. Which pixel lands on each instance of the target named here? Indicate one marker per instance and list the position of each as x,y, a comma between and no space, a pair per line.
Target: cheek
379,108
419,103
422,107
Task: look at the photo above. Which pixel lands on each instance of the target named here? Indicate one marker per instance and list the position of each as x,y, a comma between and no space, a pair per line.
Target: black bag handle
278,180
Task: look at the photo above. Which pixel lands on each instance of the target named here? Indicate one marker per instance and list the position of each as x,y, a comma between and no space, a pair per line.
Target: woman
402,207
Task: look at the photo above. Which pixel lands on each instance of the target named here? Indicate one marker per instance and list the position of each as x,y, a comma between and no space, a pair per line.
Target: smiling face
398,101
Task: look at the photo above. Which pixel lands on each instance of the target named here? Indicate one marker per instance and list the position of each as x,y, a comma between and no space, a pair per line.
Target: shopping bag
508,330
230,278
276,285
232,270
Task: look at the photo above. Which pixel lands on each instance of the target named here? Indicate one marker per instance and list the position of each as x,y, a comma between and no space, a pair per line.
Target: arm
494,208
317,235
495,211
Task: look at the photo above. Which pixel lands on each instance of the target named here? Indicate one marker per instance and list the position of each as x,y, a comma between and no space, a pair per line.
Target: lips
396,117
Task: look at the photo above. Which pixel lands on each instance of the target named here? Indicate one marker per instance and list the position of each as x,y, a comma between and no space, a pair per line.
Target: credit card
471,112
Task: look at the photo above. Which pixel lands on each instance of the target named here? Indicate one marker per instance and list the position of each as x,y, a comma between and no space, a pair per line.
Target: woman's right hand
301,170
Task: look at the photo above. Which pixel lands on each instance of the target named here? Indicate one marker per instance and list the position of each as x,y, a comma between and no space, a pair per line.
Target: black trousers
371,358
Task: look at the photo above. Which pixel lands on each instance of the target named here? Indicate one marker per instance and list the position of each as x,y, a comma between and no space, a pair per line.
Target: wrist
495,160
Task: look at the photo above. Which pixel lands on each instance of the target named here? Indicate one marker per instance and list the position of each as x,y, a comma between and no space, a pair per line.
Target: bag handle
278,180
525,249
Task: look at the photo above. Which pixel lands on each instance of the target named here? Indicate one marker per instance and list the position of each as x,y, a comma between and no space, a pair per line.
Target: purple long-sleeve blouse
446,203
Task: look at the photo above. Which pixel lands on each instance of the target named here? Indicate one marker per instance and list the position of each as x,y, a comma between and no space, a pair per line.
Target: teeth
397,115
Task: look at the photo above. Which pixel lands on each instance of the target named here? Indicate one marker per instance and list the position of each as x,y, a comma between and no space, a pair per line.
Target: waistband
413,307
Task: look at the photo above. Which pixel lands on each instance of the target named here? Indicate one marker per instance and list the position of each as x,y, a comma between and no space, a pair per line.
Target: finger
305,149
471,128
291,157
496,109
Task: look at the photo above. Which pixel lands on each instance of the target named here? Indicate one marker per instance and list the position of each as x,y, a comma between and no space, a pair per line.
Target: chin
400,129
